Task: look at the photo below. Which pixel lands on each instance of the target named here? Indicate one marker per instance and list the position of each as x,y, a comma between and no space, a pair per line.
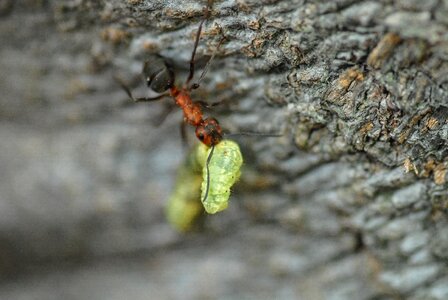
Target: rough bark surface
351,203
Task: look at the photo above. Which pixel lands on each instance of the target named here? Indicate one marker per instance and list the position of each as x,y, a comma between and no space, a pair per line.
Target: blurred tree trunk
350,204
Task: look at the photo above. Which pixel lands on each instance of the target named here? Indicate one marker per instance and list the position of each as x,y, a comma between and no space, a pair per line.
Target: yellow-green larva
224,168
184,205
193,183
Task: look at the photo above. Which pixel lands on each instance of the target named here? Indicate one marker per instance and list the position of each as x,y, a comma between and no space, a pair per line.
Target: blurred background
325,211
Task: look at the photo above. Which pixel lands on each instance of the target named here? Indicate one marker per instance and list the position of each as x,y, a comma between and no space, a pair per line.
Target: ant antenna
248,133
196,42
209,158
129,93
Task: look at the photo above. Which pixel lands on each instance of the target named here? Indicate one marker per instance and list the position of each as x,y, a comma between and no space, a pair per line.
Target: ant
160,77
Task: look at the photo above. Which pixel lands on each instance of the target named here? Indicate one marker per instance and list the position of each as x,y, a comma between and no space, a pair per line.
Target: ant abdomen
159,74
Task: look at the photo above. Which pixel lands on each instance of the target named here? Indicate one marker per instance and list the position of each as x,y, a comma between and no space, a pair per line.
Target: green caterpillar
209,182
184,207
221,173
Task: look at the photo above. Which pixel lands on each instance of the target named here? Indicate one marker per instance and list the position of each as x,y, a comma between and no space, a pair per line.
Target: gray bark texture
350,202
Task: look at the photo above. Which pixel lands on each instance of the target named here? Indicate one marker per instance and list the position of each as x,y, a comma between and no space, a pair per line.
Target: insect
160,77
220,172
184,206
203,174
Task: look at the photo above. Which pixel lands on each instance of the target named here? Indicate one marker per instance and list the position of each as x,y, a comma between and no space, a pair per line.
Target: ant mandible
160,77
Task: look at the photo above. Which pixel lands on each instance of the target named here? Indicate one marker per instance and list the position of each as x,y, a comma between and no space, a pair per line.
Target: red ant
160,77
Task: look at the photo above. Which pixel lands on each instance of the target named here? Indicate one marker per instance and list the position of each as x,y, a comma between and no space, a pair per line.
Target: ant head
209,132
159,74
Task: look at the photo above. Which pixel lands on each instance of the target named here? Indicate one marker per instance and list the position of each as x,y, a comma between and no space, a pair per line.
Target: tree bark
349,203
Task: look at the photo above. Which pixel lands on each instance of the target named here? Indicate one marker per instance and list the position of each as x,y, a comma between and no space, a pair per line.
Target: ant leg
183,134
196,42
168,108
209,158
207,66
205,105
141,99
